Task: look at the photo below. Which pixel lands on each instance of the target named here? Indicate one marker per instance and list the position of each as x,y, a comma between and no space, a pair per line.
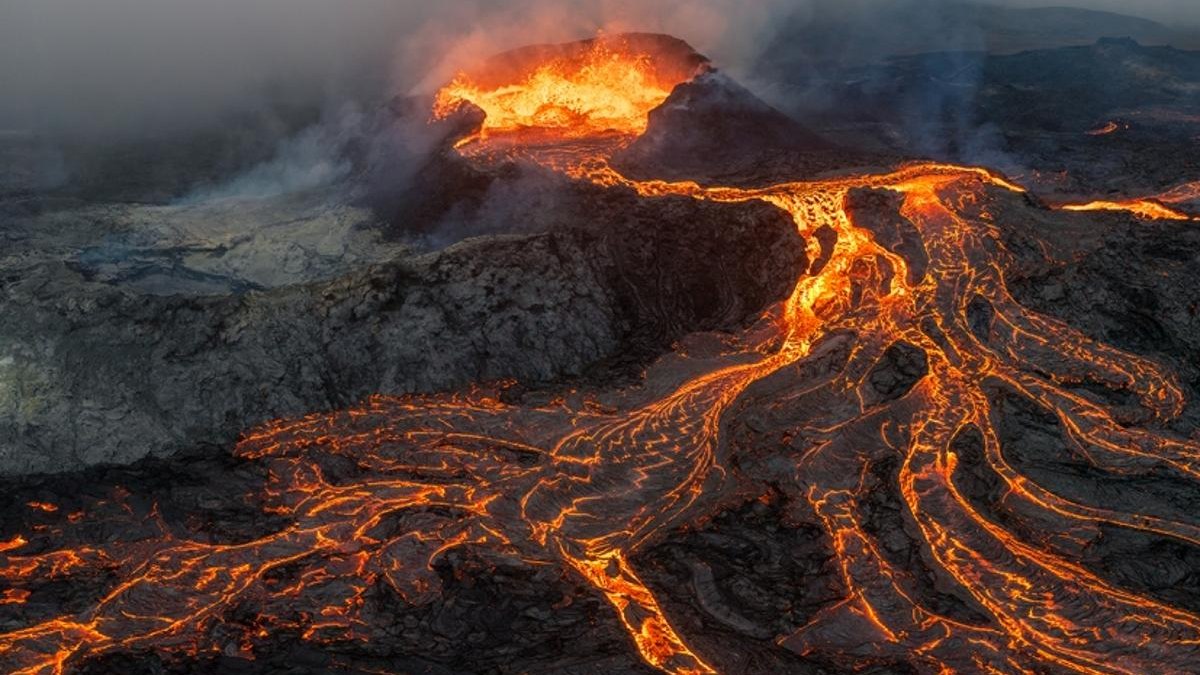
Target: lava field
751,389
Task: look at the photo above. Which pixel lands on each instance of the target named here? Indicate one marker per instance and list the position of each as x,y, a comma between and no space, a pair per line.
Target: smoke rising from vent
246,97
132,67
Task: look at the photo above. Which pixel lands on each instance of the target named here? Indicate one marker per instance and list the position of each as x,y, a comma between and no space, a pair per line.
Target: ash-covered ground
148,318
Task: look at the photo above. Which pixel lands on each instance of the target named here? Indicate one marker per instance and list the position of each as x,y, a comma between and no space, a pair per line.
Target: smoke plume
262,71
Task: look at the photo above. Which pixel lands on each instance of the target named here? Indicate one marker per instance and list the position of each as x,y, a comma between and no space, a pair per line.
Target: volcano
747,399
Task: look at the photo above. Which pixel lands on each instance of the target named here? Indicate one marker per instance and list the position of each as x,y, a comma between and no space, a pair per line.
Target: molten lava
375,494
1150,208
608,86
1143,208
1107,128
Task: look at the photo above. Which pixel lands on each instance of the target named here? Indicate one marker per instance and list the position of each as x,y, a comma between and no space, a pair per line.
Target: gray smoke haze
129,67
1183,12
253,94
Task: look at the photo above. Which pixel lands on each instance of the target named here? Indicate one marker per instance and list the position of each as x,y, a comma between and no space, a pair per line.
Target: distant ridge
831,36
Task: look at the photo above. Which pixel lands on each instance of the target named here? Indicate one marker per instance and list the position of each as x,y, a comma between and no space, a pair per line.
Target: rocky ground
112,354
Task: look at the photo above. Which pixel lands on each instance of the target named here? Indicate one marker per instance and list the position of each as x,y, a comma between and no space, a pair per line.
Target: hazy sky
1165,11
113,65
127,66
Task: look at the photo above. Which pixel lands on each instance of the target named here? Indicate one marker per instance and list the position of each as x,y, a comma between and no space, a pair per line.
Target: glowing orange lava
1108,128
585,486
1150,208
603,89
1142,208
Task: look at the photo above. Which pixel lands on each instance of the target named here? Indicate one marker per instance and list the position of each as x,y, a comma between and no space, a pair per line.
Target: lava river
584,486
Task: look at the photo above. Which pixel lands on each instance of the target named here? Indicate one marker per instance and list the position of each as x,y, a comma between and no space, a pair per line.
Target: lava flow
376,493
1157,207
1152,209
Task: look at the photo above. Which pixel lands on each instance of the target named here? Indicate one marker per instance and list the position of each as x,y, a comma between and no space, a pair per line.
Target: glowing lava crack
585,487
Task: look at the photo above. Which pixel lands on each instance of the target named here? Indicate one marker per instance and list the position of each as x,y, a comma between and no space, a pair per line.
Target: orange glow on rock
608,86
1107,128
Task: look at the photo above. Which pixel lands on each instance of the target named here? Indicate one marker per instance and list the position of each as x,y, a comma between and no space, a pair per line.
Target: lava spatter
375,494
606,85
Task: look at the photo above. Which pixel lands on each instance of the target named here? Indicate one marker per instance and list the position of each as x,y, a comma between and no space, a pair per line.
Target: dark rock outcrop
711,128
92,372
